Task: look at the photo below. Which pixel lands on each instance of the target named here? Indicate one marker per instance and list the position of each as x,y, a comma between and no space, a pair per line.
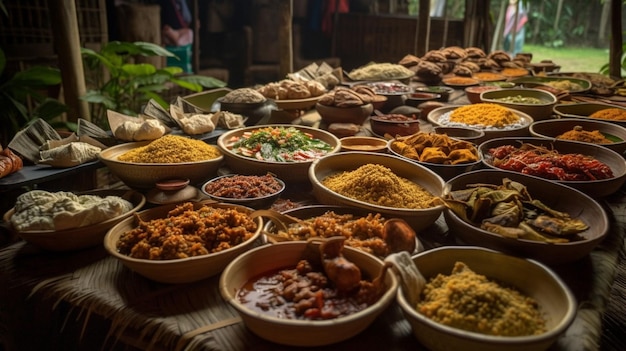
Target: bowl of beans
183,242
143,164
255,191
536,103
511,311
316,308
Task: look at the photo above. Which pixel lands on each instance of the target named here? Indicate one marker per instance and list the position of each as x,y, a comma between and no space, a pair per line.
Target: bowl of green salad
284,150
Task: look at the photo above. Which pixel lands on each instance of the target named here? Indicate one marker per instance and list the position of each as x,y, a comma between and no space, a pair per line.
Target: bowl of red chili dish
284,150
324,317
247,190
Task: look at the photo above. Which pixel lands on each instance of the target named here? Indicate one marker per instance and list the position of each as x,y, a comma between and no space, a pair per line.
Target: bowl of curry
332,307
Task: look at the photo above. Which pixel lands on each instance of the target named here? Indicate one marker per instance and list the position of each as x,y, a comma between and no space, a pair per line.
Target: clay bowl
363,143
538,281
473,93
146,175
287,171
550,129
269,258
394,125
242,189
585,110
594,188
471,135
416,98
443,91
332,114
569,200
183,270
80,237
538,111
349,161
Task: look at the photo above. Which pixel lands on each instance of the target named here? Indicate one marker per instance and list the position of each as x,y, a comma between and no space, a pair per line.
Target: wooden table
87,300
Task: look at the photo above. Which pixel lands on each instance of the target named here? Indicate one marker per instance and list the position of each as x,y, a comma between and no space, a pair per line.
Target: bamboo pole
67,40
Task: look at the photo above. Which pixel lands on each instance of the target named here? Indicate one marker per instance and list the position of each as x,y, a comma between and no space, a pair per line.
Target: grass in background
570,59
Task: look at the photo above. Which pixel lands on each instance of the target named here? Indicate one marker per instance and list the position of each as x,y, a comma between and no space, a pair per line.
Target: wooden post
67,41
285,36
615,46
423,28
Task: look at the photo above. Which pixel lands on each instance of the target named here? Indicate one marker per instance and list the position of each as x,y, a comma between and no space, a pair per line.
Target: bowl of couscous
388,184
143,164
494,120
512,311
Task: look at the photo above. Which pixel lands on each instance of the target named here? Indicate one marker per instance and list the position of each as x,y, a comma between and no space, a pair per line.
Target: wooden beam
285,36
67,42
423,28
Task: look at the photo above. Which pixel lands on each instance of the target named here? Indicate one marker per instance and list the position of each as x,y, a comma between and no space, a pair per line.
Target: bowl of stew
253,191
305,325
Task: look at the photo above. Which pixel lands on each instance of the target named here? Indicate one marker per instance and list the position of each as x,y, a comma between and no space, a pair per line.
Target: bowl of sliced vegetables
284,150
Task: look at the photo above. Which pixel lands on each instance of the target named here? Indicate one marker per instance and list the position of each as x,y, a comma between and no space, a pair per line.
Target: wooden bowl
550,129
259,202
269,258
394,125
538,281
539,111
349,161
332,114
471,135
80,237
585,110
363,143
184,270
287,171
569,200
594,188
146,175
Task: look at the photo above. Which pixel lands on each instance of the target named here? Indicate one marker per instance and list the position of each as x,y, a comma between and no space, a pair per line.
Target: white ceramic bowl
184,270
537,281
269,258
349,161
296,172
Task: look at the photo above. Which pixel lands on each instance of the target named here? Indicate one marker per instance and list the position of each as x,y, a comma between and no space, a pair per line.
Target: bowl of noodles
388,184
494,120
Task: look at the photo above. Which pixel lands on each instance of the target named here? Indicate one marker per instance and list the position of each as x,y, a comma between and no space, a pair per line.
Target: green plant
605,68
23,97
124,86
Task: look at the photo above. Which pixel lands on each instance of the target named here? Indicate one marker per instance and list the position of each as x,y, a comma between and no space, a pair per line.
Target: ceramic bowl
445,171
569,200
332,114
436,117
416,98
183,270
287,171
585,110
473,93
245,182
443,91
394,125
269,258
363,143
538,111
538,281
349,161
80,237
594,188
550,129
146,175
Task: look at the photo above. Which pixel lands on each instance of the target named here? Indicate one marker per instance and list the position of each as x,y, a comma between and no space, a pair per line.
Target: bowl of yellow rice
494,120
142,164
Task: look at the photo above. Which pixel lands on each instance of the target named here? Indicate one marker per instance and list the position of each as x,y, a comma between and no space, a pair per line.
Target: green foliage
124,86
28,88
605,68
